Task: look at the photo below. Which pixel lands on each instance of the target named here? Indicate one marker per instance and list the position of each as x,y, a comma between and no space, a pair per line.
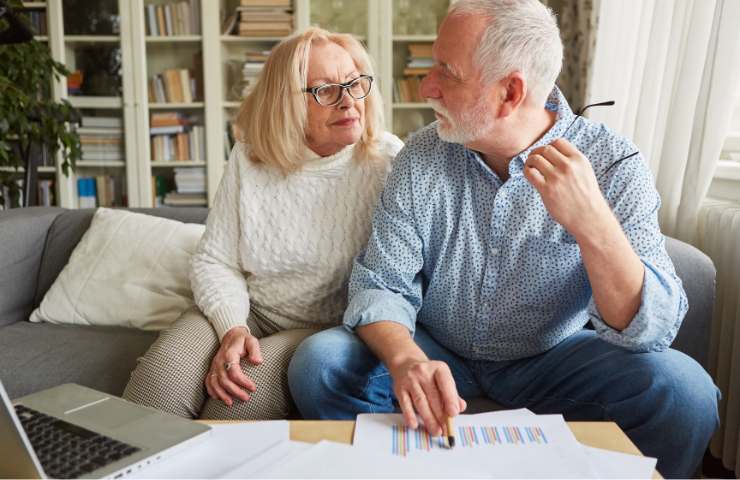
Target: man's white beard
471,126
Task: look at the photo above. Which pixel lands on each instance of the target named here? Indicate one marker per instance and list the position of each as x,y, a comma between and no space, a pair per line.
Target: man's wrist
598,230
399,362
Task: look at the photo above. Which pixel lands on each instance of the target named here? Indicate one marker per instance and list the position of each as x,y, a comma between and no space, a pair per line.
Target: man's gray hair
522,35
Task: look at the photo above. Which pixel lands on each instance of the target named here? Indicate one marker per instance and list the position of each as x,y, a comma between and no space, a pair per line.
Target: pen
450,433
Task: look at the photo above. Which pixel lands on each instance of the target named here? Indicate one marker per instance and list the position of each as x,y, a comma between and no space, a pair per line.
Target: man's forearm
614,270
391,342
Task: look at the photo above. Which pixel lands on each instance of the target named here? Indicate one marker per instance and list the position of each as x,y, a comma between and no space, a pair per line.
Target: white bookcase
141,56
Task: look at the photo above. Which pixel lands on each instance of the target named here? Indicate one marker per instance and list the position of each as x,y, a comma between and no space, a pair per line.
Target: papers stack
505,444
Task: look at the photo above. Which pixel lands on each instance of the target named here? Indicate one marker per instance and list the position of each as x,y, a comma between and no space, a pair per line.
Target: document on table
611,464
514,444
228,446
338,460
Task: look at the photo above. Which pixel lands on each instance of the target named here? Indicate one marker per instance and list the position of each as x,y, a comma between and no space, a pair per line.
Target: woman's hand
225,378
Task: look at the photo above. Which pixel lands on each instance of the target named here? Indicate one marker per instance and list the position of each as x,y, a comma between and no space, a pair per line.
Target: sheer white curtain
672,67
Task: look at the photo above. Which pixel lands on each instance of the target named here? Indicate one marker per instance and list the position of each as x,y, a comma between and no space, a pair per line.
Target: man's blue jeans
664,401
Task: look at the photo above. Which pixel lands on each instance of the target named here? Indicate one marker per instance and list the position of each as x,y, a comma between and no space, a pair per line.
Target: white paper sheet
337,460
610,464
502,444
275,455
228,446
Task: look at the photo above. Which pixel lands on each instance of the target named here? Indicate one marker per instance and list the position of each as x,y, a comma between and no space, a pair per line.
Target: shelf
172,105
34,4
411,105
240,39
174,39
232,104
178,163
414,38
92,38
100,164
95,102
21,169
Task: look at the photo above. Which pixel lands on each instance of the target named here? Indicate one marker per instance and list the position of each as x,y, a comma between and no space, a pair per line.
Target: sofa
35,244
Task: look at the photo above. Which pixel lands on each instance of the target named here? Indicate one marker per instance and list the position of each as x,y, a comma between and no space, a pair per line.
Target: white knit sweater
284,245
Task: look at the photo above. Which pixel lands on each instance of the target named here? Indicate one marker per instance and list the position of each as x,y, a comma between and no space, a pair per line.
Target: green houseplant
28,113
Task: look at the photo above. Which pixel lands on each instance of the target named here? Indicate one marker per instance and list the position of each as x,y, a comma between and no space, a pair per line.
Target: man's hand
225,377
427,388
568,187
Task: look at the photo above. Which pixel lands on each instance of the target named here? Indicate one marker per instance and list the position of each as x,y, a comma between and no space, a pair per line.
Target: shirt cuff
663,305
227,317
370,306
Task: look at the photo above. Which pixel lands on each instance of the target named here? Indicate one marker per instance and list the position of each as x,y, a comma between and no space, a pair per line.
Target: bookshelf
215,60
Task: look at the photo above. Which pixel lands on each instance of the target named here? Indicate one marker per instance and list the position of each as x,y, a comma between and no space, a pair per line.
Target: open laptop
72,431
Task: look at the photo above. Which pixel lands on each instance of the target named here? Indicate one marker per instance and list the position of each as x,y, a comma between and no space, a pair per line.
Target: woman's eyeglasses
331,94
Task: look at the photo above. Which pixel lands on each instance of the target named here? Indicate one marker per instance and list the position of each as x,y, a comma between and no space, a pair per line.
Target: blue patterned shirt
483,266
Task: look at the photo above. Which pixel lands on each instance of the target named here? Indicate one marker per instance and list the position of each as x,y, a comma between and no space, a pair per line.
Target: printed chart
405,440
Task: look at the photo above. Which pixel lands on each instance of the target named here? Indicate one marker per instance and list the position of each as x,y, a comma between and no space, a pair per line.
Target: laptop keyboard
66,450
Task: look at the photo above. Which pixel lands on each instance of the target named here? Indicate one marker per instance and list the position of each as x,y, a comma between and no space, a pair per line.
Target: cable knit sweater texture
284,245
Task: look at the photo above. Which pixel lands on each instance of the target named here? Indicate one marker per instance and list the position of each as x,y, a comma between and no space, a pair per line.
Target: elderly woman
291,212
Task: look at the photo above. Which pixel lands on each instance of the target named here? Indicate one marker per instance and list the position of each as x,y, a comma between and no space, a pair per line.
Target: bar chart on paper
405,440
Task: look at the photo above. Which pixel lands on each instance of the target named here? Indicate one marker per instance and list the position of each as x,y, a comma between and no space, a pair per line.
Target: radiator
719,237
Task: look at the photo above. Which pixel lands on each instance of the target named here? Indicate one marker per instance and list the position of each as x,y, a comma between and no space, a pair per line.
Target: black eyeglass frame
343,86
579,114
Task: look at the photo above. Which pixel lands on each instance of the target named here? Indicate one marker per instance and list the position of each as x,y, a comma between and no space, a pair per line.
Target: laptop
71,431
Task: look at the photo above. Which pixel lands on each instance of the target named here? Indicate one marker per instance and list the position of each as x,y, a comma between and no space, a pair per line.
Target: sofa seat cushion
36,356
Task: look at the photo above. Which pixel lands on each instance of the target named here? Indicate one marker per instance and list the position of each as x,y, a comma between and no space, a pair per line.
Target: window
726,183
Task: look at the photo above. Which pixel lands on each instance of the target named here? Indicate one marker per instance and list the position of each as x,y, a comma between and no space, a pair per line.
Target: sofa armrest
22,238
697,273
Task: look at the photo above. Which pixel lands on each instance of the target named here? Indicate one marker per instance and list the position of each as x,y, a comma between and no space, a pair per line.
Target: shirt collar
557,103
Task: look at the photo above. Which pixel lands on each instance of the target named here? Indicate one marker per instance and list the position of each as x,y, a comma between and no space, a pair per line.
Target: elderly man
505,227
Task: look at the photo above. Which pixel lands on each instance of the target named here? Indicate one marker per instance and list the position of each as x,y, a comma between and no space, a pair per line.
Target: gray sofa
35,244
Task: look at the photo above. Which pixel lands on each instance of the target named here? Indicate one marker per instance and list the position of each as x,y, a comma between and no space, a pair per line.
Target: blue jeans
664,401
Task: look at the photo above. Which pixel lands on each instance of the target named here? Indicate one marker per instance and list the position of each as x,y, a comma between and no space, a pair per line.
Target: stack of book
181,18
101,139
419,62
190,185
175,138
174,85
252,68
98,191
265,18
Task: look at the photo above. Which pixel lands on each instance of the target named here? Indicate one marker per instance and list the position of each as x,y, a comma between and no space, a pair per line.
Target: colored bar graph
405,440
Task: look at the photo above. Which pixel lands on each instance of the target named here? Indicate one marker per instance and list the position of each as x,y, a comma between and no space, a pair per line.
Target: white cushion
129,270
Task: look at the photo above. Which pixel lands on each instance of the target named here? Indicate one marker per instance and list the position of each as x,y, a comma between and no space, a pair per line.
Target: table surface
606,435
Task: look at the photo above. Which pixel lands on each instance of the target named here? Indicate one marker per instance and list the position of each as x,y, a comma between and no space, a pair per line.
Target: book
265,3
151,20
187,95
420,49
195,17
104,122
86,192
168,20
167,130
161,27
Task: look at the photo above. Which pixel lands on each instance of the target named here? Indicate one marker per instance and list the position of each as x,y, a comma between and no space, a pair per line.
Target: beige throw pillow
129,270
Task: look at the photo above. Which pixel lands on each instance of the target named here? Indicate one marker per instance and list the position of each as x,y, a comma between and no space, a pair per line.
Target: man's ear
513,91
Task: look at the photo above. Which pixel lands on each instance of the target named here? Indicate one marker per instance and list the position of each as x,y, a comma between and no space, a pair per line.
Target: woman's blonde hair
273,116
